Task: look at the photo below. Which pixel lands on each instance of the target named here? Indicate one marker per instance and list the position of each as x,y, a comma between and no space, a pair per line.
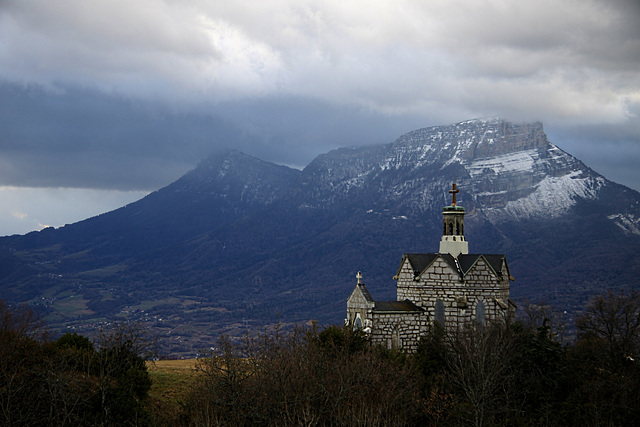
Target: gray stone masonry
452,286
460,295
398,330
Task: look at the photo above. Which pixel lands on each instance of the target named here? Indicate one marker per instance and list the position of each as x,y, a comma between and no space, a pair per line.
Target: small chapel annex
452,287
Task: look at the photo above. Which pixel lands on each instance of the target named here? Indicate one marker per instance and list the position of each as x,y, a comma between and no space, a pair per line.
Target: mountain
238,243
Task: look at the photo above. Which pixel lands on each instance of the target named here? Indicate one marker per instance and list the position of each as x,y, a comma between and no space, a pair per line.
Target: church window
440,312
395,339
450,228
480,315
358,323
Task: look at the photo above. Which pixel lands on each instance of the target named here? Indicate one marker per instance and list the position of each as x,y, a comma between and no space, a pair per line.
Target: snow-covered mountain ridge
509,171
240,241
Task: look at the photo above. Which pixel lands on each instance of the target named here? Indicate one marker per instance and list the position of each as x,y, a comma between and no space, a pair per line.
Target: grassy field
172,380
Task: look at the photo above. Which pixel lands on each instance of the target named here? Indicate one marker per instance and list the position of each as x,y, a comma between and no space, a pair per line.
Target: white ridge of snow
552,197
521,161
627,222
484,135
461,147
491,193
224,167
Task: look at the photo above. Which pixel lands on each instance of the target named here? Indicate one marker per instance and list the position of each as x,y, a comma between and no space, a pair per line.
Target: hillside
238,243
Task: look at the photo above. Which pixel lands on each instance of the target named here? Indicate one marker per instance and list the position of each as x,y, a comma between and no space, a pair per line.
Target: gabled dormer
360,304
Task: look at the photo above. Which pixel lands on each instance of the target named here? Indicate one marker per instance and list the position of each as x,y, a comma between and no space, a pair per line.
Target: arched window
357,324
440,312
480,316
395,339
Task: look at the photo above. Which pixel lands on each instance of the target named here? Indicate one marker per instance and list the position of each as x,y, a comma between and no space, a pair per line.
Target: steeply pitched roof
396,306
460,264
496,262
365,292
419,262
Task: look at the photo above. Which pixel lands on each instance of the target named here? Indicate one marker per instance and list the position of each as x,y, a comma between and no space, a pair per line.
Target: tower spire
453,241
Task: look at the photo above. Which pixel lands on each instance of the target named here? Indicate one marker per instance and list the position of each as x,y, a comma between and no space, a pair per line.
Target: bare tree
67,385
304,377
479,366
19,366
614,318
543,315
605,371
123,381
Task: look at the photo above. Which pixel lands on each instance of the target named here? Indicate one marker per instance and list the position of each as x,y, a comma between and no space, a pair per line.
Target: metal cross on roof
359,276
454,192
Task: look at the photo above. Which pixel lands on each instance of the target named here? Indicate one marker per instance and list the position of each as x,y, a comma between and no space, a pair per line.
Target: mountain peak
242,241
479,137
231,173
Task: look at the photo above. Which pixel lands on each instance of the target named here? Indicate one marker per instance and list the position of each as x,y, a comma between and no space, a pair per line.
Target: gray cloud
128,95
395,57
81,138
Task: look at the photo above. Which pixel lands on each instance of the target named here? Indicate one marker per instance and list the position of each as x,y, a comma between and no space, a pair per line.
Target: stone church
452,287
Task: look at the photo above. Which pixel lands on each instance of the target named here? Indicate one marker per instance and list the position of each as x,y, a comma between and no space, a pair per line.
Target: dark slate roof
365,292
495,262
387,306
420,262
462,264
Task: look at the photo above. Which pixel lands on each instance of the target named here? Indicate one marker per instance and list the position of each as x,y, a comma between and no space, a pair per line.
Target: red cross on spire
454,191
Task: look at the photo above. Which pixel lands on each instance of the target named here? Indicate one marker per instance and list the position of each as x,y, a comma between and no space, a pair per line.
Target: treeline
70,381
504,374
517,375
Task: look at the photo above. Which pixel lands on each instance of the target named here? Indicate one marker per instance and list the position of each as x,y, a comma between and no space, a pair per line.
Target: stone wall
460,296
358,305
400,330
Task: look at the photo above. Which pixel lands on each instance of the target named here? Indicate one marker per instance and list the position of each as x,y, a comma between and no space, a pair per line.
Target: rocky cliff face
239,241
510,172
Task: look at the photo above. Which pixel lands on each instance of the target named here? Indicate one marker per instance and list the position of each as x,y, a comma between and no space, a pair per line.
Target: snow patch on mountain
552,197
629,223
224,167
521,161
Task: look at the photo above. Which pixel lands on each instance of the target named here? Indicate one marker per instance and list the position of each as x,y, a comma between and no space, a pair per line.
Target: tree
614,319
479,366
68,381
21,400
605,372
535,316
123,381
437,400
304,377
73,341
539,369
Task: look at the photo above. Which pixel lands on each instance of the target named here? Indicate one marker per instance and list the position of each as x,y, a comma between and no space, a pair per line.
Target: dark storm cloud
82,139
130,94
88,139
443,60
612,150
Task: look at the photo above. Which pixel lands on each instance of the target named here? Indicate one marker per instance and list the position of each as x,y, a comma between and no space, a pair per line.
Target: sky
103,102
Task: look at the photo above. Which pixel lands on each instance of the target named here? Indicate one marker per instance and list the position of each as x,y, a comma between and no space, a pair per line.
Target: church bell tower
452,241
